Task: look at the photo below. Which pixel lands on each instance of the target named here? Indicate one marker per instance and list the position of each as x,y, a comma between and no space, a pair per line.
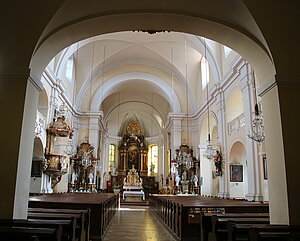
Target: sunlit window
204,72
111,156
226,51
69,69
153,159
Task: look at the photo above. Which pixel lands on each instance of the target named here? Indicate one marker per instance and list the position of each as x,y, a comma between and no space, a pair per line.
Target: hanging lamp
210,149
257,130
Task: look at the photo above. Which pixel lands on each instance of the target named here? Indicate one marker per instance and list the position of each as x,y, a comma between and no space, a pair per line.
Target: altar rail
181,214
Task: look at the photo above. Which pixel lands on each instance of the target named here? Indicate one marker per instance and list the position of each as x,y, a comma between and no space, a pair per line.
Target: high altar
133,151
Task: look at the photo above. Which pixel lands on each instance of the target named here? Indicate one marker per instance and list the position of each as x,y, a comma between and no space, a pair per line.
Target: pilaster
253,167
220,112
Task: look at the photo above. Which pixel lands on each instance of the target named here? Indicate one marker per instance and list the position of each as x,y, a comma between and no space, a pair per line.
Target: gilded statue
132,178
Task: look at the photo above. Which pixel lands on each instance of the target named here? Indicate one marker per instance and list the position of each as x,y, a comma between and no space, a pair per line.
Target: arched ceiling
139,65
164,59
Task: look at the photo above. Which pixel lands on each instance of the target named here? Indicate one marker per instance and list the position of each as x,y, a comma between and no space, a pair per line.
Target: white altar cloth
132,187
141,193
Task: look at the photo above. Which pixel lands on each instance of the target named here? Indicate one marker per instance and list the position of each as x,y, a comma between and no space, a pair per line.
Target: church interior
139,121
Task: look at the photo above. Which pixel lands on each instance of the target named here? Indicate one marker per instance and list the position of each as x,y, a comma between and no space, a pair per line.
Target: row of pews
215,219
66,217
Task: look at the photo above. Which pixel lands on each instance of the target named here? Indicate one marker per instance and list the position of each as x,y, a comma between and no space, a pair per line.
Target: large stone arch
232,25
108,85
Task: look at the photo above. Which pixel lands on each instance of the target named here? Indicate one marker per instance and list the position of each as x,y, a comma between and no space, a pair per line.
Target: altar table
134,193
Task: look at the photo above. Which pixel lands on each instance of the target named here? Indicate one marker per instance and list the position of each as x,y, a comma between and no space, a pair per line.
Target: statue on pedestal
91,178
74,178
184,176
177,179
195,179
113,169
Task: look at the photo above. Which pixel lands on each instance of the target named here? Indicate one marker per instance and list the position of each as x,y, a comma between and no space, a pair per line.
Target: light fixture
210,149
257,130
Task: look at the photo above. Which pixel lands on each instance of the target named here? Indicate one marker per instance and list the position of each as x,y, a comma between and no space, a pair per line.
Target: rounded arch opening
226,27
238,185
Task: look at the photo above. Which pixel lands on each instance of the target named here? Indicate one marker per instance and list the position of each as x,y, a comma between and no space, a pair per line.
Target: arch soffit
137,102
244,42
120,79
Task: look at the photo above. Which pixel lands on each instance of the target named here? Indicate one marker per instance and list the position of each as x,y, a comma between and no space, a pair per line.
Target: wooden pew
206,220
274,233
219,225
79,228
12,233
103,207
68,226
84,213
184,222
238,231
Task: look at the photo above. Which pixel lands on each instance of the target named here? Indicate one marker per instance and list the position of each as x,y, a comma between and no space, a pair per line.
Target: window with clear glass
111,156
69,69
153,159
204,72
226,51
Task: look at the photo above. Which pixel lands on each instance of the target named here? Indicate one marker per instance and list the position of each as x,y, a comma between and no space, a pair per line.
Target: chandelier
257,130
210,149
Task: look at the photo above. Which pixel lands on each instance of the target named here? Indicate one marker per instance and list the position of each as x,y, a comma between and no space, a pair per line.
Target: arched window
226,51
111,155
153,159
69,69
204,72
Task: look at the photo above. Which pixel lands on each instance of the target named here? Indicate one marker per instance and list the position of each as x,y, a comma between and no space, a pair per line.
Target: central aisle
136,223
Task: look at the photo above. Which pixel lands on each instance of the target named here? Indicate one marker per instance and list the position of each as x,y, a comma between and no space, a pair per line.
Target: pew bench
274,233
84,213
11,233
206,220
79,229
103,208
219,225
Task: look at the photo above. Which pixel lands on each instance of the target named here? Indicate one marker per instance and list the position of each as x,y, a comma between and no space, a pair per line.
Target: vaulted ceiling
137,75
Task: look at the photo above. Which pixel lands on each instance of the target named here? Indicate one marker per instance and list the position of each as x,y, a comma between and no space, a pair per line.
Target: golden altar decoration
83,169
132,179
133,150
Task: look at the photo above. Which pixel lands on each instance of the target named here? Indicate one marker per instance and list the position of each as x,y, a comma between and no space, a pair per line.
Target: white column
253,169
224,179
195,137
175,135
94,133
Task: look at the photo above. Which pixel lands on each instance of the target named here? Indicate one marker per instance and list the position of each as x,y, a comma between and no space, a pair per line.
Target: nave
137,223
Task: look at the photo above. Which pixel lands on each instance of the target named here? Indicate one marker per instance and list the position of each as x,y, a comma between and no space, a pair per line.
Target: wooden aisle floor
136,223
